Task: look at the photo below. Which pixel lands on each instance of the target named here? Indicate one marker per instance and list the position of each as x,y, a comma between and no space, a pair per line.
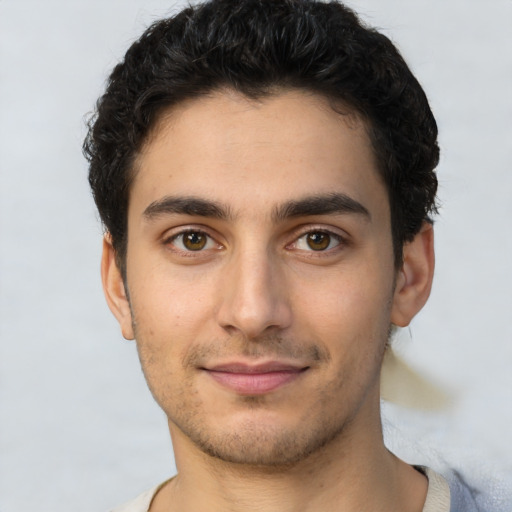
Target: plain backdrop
78,430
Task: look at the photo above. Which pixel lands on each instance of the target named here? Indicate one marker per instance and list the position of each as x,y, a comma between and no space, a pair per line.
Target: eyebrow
322,204
194,206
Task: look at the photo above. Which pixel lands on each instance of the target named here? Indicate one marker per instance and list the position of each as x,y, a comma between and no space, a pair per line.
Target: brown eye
191,242
194,240
318,241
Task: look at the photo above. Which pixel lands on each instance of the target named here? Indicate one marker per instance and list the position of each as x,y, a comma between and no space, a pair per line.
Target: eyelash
333,237
340,242
171,240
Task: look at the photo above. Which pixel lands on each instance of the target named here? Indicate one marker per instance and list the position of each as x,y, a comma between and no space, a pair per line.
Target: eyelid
342,237
172,234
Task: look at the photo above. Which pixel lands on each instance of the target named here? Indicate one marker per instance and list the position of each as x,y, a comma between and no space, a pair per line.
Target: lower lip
254,383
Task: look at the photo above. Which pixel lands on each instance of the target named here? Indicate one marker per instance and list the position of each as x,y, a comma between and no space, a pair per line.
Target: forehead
243,152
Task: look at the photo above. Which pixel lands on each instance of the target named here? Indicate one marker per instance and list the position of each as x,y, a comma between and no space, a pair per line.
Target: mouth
255,379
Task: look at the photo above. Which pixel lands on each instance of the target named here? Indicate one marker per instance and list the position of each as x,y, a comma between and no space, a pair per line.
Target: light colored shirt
438,495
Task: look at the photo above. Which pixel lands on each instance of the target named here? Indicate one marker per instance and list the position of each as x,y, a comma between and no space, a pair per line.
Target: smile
255,379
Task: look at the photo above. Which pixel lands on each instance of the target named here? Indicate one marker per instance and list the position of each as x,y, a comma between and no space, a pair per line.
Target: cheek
347,303
160,324
350,316
165,305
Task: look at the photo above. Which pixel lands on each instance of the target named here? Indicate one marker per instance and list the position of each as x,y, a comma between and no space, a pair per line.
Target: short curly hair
256,47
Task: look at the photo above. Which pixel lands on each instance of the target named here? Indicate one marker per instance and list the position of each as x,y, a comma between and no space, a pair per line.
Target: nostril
230,329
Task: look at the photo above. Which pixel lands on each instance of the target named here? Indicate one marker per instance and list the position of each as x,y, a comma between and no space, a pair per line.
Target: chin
256,445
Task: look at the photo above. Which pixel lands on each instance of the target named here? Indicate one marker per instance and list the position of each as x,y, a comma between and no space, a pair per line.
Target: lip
254,379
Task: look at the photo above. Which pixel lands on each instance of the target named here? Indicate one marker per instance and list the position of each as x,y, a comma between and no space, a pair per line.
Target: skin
279,280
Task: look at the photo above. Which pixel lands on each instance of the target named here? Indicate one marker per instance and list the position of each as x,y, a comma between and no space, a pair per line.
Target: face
260,274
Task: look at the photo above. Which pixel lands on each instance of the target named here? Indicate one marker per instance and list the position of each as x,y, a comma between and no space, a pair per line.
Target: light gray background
78,430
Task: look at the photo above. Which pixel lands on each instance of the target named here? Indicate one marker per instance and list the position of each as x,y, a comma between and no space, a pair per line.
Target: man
264,170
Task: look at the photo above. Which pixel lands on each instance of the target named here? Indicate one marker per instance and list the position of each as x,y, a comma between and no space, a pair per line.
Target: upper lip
258,368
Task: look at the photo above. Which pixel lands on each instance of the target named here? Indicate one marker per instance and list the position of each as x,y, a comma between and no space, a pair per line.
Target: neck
353,472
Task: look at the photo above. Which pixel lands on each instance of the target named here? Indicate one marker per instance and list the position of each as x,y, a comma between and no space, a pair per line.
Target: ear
414,280
113,287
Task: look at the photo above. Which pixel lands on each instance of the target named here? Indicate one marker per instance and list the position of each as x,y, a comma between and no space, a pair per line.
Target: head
264,171
258,48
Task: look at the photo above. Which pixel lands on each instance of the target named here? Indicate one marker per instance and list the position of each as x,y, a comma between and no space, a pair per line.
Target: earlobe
114,290
414,280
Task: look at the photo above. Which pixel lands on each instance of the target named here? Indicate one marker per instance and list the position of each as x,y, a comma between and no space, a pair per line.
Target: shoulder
142,502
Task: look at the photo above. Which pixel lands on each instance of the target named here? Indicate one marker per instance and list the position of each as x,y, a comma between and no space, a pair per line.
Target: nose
253,296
